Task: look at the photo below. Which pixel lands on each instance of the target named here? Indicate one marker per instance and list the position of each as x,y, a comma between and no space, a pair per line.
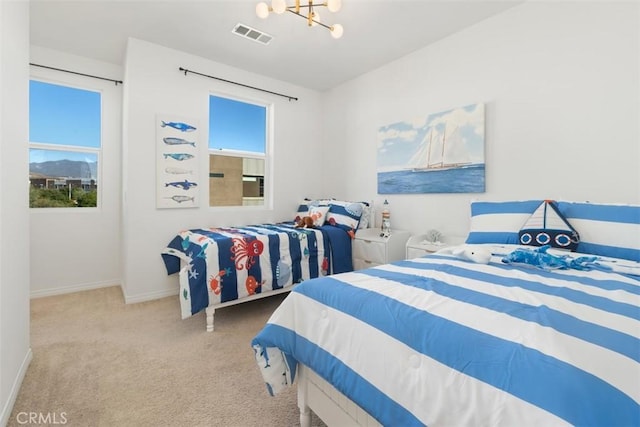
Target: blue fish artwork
178,156
182,127
177,141
185,185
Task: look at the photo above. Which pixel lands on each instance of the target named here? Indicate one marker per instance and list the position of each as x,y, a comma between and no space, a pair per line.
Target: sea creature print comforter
218,265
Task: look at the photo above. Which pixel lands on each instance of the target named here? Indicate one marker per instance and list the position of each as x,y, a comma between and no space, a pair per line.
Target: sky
236,125
63,116
401,144
71,117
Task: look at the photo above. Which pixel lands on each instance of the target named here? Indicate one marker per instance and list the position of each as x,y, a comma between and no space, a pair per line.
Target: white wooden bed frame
331,406
210,311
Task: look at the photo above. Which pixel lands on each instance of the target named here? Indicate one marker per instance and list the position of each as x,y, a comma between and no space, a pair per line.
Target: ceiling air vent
252,34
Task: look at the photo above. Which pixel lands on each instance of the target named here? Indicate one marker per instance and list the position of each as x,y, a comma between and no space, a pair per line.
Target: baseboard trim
128,299
132,299
73,288
15,389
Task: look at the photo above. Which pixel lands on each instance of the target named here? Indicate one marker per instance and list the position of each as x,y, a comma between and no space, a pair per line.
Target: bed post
305,412
210,312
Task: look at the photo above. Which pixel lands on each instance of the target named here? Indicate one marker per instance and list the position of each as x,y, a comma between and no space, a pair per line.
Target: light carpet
100,362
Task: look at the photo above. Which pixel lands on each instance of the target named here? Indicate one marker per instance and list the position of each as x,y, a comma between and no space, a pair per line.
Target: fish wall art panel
442,153
177,162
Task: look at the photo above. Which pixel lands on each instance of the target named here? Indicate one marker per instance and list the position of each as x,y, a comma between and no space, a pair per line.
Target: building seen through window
64,146
237,152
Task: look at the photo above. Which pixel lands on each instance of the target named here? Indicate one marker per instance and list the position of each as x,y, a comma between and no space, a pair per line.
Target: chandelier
307,11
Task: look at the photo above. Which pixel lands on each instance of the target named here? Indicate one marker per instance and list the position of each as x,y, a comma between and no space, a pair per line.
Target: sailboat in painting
449,145
423,160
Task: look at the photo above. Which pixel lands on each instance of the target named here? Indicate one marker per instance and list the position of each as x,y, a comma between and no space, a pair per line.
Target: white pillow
318,214
366,216
306,204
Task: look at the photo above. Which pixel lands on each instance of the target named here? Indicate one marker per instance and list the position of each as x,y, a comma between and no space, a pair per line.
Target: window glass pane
63,115
236,125
62,178
236,181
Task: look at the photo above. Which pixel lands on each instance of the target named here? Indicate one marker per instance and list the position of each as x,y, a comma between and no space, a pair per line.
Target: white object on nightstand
371,249
418,246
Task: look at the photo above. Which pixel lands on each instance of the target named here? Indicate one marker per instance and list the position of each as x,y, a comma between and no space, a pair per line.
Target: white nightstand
370,249
417,246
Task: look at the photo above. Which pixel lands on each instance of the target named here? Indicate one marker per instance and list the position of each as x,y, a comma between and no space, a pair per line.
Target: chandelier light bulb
337,31
262,10
308,11
334,5
279,6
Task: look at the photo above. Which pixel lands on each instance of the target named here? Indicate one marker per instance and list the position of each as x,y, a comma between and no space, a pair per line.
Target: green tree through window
65,142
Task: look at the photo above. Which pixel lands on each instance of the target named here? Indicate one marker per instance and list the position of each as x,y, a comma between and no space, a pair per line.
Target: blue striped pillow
344,214
499,222
611,230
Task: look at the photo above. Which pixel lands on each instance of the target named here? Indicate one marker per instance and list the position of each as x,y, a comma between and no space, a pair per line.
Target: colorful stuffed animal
305,222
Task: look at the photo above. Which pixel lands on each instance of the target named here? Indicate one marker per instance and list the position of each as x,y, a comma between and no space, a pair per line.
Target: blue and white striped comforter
222,264
443,342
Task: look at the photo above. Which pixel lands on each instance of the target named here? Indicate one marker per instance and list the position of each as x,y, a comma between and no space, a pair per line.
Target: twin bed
551,339
222,266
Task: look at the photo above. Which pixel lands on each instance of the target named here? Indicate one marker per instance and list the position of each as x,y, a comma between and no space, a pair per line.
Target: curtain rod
239,84
80,74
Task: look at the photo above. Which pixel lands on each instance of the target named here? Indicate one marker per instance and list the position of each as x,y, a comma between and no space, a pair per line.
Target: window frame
267,157
73,148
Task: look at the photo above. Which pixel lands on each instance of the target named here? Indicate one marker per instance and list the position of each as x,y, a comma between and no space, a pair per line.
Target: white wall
79,249
15,353
154,85
560,81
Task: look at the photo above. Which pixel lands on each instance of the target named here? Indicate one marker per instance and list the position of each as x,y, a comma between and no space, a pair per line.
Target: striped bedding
218,265
444,342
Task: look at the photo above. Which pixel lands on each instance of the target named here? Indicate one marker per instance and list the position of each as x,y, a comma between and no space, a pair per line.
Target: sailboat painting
443,153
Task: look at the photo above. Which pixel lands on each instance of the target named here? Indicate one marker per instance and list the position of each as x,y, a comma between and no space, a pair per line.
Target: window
237,152
64,147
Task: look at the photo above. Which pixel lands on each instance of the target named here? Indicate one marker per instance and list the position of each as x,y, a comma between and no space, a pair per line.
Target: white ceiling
375,32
